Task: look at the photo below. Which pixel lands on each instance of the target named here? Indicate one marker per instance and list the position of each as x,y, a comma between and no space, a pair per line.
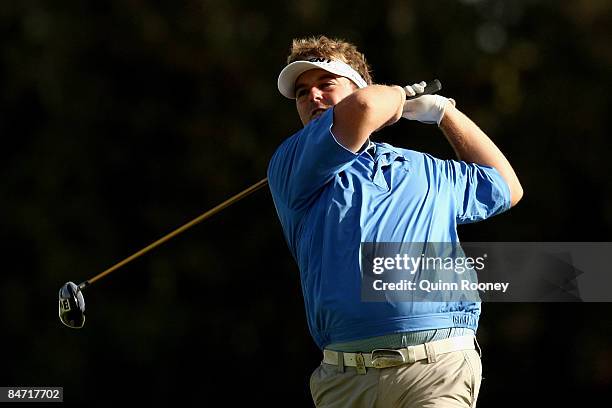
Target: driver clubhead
71,306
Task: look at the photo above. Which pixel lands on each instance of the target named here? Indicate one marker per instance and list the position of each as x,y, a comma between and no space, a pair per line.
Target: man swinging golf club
334,189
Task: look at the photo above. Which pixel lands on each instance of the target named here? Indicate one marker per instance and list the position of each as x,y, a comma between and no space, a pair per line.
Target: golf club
71,300
431,87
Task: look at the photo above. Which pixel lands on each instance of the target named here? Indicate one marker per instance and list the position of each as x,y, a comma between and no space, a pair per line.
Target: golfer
334,188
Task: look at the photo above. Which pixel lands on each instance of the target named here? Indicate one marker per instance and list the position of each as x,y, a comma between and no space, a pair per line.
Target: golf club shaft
431,87
177,231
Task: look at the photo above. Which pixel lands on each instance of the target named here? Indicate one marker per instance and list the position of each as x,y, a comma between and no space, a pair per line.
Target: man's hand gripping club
427,108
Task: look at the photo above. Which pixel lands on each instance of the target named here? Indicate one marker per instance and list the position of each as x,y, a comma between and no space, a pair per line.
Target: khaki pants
452,381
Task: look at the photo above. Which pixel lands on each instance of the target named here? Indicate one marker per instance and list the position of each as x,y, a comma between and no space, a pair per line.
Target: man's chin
317,114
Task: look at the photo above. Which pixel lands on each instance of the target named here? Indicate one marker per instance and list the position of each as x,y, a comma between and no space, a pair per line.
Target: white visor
287,77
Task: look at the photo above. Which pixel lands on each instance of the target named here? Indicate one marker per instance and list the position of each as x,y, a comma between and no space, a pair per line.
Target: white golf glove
427,108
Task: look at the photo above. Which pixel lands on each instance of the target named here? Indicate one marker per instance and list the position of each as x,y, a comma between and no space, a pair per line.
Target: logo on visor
325,60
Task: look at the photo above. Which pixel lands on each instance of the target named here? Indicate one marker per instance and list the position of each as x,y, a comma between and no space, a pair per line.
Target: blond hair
332,48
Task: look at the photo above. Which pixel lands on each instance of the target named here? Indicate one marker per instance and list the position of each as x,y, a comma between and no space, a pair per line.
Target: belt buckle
383,358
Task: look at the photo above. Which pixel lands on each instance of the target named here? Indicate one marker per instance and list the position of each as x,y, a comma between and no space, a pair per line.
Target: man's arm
364,111
471,144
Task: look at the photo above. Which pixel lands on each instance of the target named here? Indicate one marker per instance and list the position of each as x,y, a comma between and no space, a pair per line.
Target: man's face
316,90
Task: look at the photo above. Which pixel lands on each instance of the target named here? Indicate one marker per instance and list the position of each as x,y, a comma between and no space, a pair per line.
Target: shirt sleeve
479,191
306,161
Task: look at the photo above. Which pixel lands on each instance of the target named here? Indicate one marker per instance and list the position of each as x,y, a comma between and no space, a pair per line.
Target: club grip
431,88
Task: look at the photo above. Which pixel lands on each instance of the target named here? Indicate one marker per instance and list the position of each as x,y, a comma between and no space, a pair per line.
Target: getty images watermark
494,272
435,267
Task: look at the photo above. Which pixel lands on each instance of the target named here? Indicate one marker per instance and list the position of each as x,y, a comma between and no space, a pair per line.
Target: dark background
121,120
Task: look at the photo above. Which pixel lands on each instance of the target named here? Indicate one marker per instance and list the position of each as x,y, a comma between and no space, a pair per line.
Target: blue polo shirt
329,200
